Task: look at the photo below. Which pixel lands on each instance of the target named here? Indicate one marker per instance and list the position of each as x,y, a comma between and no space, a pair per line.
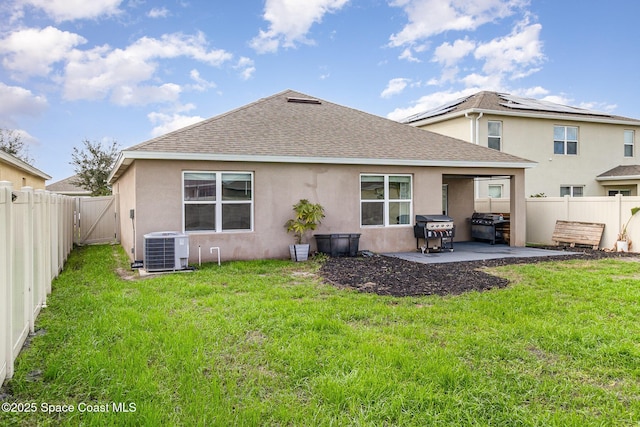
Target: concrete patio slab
476,251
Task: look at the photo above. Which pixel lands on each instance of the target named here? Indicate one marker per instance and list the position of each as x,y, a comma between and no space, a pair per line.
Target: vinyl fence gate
95,220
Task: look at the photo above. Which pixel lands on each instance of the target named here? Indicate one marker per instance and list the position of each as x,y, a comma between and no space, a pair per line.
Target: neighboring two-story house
579,152
21,174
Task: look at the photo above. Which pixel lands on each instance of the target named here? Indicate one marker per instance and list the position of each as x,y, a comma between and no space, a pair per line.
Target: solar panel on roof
436,111
518,103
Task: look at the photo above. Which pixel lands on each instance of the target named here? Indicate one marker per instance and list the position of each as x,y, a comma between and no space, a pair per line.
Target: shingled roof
297,128
506,104
620,172
68,186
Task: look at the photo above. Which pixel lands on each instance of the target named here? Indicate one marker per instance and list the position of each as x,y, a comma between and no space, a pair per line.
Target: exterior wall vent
303,100
166,250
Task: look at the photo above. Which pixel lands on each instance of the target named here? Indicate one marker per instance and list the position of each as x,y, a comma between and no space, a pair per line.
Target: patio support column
518,210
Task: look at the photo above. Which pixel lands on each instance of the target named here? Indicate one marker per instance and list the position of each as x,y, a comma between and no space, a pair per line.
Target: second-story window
495,135
565,140
629,137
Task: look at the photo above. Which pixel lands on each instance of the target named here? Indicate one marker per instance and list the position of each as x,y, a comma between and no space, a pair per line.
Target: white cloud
69,10
395,87
158,12
200,84
449,54
96,73
516,54
430,17
449,75
33,51
170,122
17,101
407,54
485,81
290,21
176,45
141,95
246,67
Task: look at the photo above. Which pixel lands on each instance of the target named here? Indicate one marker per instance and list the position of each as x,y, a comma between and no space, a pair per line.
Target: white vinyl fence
543,212
36,236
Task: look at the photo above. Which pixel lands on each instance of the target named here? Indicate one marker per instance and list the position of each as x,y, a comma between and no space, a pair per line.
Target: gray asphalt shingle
275,126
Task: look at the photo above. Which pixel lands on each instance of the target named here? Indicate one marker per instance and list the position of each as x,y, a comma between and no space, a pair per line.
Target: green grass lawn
267,343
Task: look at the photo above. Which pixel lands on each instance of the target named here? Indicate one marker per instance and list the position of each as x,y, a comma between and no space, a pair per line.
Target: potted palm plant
307,217
624,243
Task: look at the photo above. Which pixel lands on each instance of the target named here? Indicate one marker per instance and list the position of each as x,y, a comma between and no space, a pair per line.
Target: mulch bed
384,275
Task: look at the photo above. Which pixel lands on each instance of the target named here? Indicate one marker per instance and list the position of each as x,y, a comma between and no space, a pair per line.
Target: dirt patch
397,277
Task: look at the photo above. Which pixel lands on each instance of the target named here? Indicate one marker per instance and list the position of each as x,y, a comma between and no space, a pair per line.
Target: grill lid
433,218
487,218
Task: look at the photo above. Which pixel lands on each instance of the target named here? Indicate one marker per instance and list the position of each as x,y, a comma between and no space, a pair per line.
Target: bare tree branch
11,142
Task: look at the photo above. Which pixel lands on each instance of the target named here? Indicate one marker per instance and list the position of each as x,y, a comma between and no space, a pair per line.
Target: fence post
6,281
46,244
619,210
39,277
29,265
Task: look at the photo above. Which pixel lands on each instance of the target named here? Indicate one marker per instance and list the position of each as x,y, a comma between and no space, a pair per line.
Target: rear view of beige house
230,181
579,152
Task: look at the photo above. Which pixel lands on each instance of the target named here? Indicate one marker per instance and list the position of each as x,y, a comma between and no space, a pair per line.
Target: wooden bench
578,233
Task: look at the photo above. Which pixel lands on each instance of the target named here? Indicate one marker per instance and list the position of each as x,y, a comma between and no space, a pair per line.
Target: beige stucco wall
20,178
460,127
600,148
158,206
125,194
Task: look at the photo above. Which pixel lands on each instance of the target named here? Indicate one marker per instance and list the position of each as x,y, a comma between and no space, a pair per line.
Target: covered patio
477,251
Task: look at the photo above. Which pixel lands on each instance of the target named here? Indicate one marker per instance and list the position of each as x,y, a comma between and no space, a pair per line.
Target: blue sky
123,70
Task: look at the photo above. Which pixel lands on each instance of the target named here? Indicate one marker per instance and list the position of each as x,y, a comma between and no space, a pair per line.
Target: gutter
127,157
618,178
540,115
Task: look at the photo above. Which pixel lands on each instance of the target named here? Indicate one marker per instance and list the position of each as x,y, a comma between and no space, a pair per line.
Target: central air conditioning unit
166,250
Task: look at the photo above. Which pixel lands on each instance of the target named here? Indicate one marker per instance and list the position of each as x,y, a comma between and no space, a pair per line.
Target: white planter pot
622,246
299,252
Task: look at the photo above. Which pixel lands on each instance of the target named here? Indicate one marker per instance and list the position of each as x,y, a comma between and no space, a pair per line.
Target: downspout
477,141
471,132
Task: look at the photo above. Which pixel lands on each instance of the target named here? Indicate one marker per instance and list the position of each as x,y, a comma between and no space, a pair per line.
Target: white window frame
219,202
572,189
629,143
386,201
499,137
499,186
565,141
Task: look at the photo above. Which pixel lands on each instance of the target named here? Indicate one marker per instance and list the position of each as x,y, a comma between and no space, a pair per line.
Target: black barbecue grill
434,227
488,226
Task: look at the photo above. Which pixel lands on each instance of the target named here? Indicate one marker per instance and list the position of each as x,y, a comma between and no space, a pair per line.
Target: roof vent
303,100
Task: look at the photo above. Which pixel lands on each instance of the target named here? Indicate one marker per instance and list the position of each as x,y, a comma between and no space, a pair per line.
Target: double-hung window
571,190
629,137
217,201
385,200
495,135
565,140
